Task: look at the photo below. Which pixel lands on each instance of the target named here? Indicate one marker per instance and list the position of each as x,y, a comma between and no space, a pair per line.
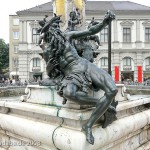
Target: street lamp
109,47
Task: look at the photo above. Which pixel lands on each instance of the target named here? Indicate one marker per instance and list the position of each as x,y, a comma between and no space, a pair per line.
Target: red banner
139,74
116,73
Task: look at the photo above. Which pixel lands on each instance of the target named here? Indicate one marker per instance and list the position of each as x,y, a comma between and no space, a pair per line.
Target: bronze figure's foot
110,115
89,135
109,118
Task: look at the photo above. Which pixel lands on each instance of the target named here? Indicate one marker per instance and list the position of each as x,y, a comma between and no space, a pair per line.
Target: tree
4,56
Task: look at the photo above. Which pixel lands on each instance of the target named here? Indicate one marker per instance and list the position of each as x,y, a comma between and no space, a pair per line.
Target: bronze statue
73,21
75,75
85,46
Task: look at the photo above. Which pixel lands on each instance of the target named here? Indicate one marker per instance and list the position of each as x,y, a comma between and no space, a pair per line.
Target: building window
16,62
16,22
16,47
104,62
36,62
15,35
126,34
147,34
104,35
35,36
147,61
127,61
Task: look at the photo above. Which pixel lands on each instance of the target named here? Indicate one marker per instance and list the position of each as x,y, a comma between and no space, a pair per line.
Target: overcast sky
10,7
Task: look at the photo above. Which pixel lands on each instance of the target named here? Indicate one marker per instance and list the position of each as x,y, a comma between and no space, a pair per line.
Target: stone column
138,42
137,30
115,42
115,31
23,65
21,32
24,31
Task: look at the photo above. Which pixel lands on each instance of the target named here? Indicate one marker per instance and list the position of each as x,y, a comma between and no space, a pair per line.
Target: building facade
130,40
13,46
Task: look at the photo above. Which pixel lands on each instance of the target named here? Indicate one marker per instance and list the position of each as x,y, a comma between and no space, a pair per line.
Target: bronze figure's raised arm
109,16
75,75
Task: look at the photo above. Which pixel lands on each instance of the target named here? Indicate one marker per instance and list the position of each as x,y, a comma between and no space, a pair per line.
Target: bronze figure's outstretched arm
109,16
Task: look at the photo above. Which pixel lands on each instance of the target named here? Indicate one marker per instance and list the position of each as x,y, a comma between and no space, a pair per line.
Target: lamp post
109,47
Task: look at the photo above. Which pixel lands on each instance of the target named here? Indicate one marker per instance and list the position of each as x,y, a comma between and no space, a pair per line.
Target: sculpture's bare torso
79,74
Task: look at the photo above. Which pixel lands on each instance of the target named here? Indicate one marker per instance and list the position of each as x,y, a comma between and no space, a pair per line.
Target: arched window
127,64
127,61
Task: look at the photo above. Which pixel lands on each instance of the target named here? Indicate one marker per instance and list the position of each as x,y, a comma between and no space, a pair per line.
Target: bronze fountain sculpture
75,75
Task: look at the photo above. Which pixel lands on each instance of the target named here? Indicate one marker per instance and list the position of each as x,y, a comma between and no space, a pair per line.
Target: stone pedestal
47,95
43,123
121,95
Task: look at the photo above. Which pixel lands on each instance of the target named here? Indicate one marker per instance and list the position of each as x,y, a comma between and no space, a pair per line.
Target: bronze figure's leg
100,109
106,83
71,92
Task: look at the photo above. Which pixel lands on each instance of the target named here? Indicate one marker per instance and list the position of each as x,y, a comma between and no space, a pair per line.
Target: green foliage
4,56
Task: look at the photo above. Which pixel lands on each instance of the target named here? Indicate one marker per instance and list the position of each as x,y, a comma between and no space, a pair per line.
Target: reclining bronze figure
74,74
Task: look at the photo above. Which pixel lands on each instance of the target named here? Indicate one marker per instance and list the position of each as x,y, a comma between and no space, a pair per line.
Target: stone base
41,127
43,123
12,91
47,95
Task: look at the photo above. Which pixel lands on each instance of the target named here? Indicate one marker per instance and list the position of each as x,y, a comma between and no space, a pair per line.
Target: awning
14,73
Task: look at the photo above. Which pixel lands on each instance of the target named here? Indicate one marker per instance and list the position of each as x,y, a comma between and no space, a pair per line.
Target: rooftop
91,6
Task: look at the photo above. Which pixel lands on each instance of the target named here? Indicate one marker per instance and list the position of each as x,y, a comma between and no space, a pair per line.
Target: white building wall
133,33
120,34
119,49
29,32
142,33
